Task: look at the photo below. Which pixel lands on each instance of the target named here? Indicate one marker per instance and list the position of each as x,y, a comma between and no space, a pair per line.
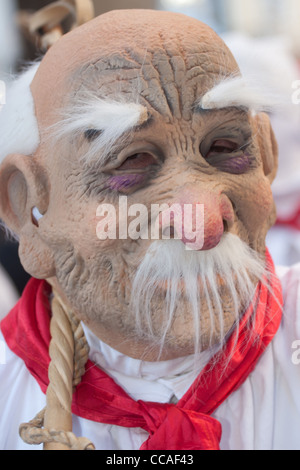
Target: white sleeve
20,399
8,294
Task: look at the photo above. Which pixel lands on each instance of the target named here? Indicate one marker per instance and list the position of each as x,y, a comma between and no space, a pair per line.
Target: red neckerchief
188,425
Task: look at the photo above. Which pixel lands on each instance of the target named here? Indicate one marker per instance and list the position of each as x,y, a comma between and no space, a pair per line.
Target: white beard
168,262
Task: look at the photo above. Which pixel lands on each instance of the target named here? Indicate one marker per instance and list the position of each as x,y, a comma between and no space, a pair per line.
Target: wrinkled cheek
256,210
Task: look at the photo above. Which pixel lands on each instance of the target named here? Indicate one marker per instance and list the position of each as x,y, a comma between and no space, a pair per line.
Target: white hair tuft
110,120
18,124
238,91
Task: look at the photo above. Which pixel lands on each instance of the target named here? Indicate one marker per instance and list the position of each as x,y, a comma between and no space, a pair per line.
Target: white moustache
168,264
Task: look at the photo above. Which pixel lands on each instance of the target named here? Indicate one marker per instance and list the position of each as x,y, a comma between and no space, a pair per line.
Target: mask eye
222,146
138,161
228,156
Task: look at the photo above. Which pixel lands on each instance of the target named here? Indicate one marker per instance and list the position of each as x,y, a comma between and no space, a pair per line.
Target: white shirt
8,294
264,413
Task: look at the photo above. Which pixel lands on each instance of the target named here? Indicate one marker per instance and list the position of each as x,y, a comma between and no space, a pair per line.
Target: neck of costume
187,425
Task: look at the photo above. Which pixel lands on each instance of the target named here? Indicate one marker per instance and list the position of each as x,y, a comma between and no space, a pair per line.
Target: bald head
133,52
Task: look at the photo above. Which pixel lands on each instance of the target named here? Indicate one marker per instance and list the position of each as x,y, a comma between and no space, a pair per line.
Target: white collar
162,381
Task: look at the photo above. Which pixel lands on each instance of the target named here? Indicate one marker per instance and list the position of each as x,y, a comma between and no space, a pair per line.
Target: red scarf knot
194,430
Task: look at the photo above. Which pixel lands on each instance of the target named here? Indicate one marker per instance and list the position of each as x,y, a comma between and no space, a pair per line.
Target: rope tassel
33,433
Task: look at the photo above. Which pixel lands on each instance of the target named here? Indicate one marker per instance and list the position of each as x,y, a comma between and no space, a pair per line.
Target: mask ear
24,187
267,144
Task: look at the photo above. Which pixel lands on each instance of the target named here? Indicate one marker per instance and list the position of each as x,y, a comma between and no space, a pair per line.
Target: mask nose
199,225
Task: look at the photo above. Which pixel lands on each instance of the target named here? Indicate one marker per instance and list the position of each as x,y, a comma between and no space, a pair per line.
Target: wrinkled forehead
163,60
168,79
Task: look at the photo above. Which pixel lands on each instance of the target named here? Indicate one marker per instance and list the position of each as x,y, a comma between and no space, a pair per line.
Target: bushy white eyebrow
239,92
111,118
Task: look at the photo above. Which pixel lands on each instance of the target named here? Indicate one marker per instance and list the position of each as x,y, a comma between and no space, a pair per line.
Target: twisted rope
69,354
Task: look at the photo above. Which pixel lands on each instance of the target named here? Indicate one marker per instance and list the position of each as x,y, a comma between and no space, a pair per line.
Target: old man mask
141,108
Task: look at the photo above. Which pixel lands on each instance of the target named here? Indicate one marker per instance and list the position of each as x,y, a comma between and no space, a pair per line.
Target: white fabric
18,123
264,413
8,294
284,245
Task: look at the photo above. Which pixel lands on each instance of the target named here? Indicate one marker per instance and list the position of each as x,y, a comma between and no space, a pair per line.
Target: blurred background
264,36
